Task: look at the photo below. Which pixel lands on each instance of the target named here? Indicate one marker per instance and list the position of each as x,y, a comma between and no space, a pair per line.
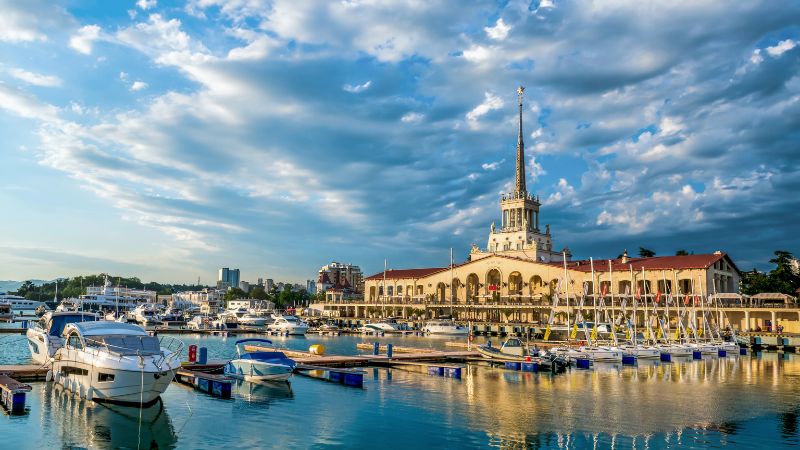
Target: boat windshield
126,345
513,343
57,323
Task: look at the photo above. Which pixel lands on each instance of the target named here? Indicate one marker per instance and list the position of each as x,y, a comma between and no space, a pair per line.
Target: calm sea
734,402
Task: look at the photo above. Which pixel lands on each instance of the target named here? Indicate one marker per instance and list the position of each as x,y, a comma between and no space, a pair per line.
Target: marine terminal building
515,277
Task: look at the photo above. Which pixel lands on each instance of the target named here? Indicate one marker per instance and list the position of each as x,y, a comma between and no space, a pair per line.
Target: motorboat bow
259,365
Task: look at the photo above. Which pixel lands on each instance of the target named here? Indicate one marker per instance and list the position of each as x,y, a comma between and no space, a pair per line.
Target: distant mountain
11,286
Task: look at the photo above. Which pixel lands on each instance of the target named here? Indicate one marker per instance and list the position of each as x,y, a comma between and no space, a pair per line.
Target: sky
167,139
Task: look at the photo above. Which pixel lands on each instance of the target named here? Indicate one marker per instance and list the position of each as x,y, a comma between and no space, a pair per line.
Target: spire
519,181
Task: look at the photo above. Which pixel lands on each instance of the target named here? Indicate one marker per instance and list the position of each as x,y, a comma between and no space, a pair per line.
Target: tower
519,234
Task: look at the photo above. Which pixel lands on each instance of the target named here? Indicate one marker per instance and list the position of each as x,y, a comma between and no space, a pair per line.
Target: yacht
602,353
115,362
147,315
640,351
389,325
675,349
44,337
252,320
445,327
288,324
6,313
199,322
21,306
225,321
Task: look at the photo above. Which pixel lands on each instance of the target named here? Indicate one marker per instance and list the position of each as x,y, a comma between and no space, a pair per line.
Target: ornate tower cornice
519,181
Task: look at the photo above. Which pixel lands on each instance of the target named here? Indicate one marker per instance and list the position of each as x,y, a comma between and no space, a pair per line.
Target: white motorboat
512,349
22,307
445,327
6,313
288,324
225,321
640,351
252,320
729,347
259,365
45,336
147,315
199,323
387,326
115,362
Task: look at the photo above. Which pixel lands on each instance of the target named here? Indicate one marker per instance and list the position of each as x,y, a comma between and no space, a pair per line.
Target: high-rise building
260,282
229,277
270,283
311,286
341,276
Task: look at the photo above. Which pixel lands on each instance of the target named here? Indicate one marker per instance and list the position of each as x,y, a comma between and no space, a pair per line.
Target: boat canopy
59,321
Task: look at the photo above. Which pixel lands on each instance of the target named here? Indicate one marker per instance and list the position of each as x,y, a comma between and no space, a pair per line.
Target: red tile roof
653,263
396,274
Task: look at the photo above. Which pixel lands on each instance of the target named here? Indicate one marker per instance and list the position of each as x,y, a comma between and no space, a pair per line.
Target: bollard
583,363
743,351
629,359
376,348
722,353
666,357
697,355
389,350
203,356
192,353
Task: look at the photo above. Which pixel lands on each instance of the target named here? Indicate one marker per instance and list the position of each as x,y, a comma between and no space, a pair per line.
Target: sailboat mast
594,296
633,283
647,327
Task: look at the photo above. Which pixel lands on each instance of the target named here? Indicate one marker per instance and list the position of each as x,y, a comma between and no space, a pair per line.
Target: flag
628,332
686,300
677,333
605,290
638,292
594,333
547,332
658,296
574,332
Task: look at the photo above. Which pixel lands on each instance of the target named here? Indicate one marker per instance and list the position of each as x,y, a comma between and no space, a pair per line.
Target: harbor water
731,402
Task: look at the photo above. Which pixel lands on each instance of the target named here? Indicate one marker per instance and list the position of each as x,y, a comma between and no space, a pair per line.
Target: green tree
781,279
646,253
681,253
258,293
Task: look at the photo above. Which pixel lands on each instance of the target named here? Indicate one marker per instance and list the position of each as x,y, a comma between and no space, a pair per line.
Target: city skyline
166,140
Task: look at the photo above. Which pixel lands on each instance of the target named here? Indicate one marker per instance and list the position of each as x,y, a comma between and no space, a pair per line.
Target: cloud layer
354,130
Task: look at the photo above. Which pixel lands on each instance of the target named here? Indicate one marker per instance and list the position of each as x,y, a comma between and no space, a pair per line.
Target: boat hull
127,387
255,371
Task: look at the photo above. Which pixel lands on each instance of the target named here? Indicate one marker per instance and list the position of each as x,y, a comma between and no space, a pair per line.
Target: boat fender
317,349
89,394
49,377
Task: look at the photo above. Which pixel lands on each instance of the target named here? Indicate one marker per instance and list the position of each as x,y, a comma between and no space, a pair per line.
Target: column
747,320
537,220
773,321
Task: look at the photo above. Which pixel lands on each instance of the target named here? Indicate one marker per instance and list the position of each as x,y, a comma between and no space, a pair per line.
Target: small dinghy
512,350
260,365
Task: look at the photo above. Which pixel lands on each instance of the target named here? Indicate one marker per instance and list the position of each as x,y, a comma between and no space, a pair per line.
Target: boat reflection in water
100,425
263,393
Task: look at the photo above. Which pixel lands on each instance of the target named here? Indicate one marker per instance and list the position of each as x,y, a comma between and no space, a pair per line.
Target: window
105,377
74,341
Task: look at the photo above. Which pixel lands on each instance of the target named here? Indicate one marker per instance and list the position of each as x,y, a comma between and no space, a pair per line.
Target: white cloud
412,117
123,76
477,54
499,31
138,86
355,89
35,78
25,105
492,165
83,40
146,4
491,102
21,22
781,48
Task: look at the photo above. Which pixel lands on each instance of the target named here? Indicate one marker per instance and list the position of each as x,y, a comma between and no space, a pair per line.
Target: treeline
76,286
784,278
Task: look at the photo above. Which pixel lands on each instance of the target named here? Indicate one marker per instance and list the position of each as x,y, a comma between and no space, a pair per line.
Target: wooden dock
28,372
213,384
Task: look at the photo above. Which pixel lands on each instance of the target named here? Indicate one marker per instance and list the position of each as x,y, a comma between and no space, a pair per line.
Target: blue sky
167,139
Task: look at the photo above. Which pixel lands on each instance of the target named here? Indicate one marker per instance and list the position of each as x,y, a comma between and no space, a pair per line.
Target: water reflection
100,425
262,394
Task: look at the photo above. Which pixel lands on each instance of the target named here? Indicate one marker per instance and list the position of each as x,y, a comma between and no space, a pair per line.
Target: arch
553,286
441,292
390,291
494,281
372,292
473,283
624,287
515,283
454,289
535,285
